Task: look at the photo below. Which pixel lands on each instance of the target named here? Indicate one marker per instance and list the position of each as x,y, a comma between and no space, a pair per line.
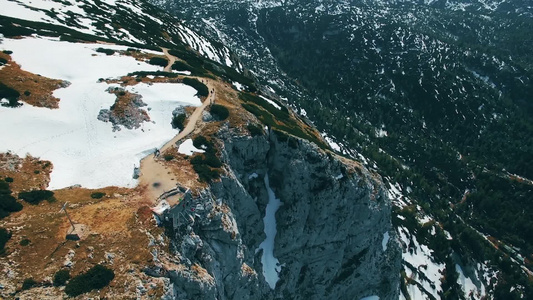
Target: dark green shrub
205,173
168,157
3,61
97,195
28,283
254,130
96,278
191,58
61,277
180,66
8,179
8,52
178,121
24,242
8,203
220,112
106,51
203,90
293,143
36,196
206,165
10,94
4,237
212,160
201,142
158,61
27,93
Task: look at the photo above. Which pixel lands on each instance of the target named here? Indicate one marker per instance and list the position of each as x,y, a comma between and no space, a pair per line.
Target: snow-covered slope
66,34
131,21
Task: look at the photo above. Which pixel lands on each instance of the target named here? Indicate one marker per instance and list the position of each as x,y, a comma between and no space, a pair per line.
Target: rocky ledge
333,239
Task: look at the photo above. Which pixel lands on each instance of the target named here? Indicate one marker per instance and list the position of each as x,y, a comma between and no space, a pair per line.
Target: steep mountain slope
435,95
138,160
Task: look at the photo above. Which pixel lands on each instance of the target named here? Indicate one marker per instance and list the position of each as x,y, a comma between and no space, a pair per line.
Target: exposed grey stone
206,116
329,228
178,111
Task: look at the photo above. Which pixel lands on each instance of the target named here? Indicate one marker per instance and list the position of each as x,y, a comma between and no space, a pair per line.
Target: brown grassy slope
34,89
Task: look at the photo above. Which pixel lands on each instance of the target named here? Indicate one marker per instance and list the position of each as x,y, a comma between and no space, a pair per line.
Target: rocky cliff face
333,227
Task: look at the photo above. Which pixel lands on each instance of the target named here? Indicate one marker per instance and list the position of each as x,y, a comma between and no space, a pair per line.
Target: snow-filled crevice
271,265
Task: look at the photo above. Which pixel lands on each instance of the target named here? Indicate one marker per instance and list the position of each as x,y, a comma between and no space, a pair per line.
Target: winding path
171,60
153,174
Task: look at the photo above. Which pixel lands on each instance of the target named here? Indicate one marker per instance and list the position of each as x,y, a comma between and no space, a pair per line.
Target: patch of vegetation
10,94
281,113
203,90
8,52
178,121
254,129
106,51
97,195
499,206
28,284
220,112
4,237
8,179
181,66
231,74
24,242
209,159
277,119
61,277
168,157
96,278
205,173
158,61
3,61
8,203
202,142
206,165
194,62
36,196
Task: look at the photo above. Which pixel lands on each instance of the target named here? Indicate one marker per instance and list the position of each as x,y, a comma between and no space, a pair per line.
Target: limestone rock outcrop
334,237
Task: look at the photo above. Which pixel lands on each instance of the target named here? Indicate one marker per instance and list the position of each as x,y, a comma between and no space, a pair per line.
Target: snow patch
188,148
238,86
271,102
385,241
370,298
271,266
331,143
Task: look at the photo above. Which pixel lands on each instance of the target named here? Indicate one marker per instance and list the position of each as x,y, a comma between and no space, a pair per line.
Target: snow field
83,149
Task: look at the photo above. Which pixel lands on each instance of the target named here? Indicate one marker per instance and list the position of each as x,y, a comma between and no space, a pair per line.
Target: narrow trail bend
153,174
171,60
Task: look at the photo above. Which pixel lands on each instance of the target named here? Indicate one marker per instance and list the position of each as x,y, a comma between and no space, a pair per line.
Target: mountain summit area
141,159
317,149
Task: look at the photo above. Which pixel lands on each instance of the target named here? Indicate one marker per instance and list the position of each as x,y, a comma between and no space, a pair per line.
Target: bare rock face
333,241
126,111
